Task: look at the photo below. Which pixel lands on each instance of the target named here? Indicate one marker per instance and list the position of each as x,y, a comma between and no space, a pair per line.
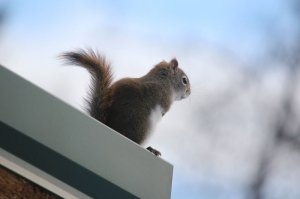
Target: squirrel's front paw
154,151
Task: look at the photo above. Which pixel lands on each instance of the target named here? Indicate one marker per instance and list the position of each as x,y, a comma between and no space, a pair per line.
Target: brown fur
126,105
100,71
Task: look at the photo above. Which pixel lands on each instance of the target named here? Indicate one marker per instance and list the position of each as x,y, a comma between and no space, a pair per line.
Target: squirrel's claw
154,151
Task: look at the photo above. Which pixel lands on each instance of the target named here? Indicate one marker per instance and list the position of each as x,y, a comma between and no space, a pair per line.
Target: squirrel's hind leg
154,151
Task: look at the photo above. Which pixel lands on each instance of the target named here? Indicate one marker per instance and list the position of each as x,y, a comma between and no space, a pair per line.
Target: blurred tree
285,125
3,14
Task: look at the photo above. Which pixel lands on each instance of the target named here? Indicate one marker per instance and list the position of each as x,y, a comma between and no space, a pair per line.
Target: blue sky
211,40
235,25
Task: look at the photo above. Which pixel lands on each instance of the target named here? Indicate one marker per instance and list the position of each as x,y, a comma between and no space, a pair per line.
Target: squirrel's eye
184,80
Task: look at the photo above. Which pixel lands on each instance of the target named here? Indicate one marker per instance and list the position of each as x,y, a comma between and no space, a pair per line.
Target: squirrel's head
180,81
172,75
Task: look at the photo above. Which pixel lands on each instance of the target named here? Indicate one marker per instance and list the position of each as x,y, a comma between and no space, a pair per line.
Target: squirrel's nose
188,91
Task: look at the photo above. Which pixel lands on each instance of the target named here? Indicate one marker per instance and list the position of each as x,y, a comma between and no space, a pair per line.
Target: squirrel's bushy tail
101,73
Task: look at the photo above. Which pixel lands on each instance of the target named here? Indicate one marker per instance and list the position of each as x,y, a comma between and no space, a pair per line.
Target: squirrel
130,106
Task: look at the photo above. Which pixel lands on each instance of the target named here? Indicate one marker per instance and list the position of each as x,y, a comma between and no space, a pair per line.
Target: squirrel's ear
173,65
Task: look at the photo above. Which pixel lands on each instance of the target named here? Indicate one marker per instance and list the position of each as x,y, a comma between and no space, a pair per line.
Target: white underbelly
154,118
